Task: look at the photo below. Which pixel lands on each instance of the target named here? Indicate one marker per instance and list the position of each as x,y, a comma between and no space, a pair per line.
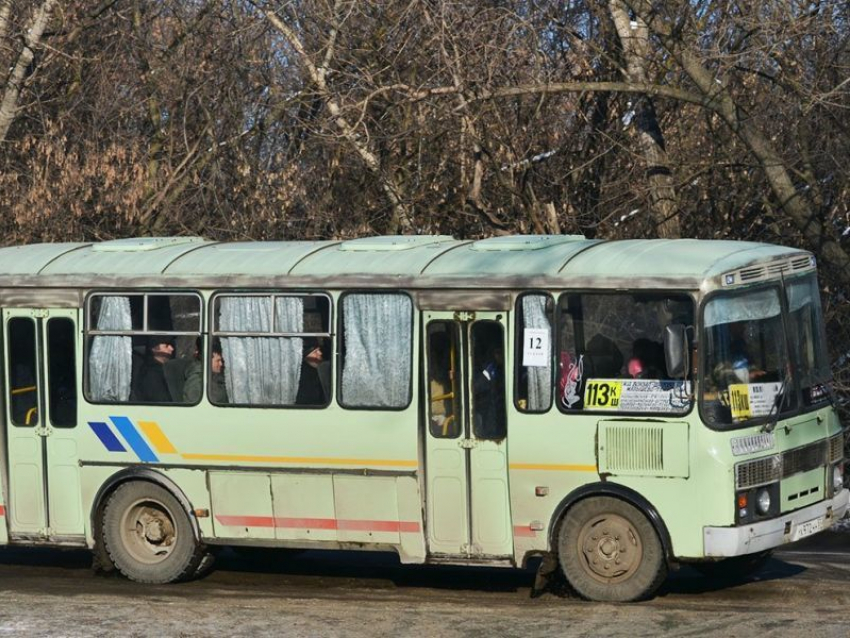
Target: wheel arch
617,491
137,474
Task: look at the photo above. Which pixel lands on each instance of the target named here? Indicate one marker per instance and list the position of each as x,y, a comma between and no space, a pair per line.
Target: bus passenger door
466,465
41,354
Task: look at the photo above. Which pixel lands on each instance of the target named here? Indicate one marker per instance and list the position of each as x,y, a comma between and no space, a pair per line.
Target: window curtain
111,356
539,378
262,370
377,367
762,304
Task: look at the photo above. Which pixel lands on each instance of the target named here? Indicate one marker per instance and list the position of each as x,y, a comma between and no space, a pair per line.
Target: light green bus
617,408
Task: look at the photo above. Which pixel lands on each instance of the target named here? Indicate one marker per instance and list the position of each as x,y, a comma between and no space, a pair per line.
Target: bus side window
377,350
489,416
62,373
141,346
275,350
609,336
443,392
533,370
23,376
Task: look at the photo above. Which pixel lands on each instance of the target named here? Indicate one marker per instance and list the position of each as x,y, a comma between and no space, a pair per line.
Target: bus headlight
838,477
763,502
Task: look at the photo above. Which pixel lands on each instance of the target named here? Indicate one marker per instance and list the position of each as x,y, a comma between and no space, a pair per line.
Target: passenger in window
440,385
647,360
315,382
737,366
602,358
193,387
488,389
160,379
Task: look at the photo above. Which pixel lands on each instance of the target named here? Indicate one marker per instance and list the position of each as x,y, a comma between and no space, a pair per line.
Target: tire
609,551
148,535
734,568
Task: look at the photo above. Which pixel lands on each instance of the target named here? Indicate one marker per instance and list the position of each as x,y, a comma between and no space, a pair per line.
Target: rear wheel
149,536
609,551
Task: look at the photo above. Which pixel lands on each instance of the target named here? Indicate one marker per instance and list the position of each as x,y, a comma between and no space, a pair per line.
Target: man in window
159,379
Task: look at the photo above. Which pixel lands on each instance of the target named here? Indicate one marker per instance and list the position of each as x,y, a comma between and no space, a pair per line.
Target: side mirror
676,350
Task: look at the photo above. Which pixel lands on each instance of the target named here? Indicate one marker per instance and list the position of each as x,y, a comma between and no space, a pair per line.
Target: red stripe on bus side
246,521
319,523
524,531
2,511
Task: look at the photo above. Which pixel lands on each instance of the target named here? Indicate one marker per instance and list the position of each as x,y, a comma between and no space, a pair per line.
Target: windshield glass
745,359
808,341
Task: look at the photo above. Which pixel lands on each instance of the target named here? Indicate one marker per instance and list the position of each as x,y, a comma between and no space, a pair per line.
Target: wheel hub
610,547
154,531
149,534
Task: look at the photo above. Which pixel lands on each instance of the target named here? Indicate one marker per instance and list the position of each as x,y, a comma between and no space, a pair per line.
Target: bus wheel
149,536
609,551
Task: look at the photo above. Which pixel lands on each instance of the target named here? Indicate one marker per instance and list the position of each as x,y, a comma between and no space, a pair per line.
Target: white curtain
262,370
377,367
761,304
111,356
539,378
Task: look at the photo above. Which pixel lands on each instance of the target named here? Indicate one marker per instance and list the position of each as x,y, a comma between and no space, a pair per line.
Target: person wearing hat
158,380
315,379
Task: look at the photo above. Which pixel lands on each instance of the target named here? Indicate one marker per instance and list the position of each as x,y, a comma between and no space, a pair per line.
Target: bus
615,408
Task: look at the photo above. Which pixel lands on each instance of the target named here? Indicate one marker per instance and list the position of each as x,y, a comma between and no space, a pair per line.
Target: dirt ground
803,591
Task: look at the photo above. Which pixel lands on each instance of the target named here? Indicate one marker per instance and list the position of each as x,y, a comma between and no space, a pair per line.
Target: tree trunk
634,39
12,91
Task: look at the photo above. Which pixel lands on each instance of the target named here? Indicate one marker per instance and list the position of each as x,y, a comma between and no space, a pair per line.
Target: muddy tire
609,551
737,567
148,535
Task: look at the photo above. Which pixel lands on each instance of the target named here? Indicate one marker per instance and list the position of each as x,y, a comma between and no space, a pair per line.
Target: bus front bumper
722,542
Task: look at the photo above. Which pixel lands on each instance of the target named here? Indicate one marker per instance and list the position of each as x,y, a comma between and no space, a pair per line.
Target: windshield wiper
778,404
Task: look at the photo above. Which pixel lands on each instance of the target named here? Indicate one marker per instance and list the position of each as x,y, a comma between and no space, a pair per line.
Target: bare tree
15,81
634,39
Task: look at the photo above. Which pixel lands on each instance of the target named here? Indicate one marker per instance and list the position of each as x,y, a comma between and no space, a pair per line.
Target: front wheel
609,551
149,536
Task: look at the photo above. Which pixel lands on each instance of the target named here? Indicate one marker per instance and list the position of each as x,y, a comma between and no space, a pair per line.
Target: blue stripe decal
106,436
134,439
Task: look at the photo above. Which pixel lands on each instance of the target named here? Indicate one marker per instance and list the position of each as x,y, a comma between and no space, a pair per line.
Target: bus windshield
745,358
808,340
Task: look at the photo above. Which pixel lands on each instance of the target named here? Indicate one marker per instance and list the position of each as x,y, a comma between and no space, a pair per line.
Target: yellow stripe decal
240,458
553,468
157,437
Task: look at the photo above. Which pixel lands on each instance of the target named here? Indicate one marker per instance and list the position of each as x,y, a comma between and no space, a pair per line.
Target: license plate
807,529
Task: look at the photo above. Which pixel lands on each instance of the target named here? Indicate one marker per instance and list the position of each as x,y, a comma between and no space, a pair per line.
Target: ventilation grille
758,472
836,448
802,459
634,449
772,270
805,458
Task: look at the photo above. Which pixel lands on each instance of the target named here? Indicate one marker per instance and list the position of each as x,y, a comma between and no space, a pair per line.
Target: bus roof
428,260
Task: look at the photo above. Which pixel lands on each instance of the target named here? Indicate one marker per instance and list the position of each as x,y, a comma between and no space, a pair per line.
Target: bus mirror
676,350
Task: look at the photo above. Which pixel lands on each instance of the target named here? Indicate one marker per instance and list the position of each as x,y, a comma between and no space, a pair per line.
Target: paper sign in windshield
636,395
535,351
749,400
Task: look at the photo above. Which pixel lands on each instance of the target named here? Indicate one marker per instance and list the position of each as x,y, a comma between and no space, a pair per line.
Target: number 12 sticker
535,347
